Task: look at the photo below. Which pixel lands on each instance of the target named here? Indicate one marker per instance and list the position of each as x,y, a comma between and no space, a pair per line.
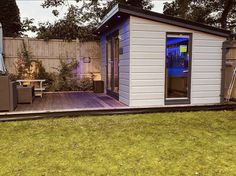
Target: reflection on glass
109,65
113,63
116,64
177,66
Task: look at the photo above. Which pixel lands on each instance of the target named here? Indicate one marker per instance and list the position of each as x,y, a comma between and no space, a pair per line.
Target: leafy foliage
65,73
10,18
64,80
67,80
28,68
24,63
219,13
28,25
68,28
81,20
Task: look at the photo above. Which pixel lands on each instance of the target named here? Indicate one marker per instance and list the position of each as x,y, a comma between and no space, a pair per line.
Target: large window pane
177,66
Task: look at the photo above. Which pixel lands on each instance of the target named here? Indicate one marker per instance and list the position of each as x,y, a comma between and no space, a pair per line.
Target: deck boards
70,100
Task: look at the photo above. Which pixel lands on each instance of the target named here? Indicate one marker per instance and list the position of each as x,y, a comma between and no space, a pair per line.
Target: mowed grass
169,144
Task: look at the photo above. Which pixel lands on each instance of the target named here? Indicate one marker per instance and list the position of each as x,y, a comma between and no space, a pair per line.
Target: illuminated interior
177,66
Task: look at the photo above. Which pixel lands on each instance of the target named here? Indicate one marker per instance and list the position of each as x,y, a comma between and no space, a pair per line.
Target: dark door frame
110,39
180,100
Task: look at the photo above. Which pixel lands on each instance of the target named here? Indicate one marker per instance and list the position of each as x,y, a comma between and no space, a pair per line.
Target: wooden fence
230,64
50,52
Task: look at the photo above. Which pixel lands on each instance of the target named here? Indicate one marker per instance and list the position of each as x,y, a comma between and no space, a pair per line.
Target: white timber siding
147,63
124,74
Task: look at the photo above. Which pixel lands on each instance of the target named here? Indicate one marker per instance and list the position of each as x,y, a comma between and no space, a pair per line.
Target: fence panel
50,52
230,64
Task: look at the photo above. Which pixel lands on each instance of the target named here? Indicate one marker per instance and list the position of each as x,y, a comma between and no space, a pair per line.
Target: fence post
78,57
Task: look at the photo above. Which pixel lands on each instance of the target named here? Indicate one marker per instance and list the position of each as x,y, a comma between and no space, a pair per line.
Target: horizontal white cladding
208,63
209,94
144,34
209,49
147,63
206,81
125,82
124,75
125,56
207,75
148,82
124,100
206,69
206,43
147,69
153,76
126,49
124,94
205,100
124,69
143,89
124,63
147,55
147,41
125,43
147,103
147,48
206,88
124,36
124,88
149,96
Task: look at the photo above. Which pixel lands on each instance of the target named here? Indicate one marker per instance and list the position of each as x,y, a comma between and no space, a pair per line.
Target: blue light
177,61
172,40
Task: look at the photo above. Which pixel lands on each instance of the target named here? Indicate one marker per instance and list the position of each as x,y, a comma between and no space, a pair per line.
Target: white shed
150,59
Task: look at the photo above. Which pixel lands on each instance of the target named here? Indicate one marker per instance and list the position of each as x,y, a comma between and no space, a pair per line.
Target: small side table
25,94
98,86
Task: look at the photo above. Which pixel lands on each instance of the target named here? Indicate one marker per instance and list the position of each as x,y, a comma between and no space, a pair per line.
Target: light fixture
87,60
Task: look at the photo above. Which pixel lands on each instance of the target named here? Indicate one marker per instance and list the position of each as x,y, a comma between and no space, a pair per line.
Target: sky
33,9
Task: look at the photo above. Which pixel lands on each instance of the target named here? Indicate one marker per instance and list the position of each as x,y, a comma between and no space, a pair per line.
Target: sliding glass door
112,52
178,68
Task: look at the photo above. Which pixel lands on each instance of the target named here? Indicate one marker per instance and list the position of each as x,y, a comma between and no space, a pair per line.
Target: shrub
85,84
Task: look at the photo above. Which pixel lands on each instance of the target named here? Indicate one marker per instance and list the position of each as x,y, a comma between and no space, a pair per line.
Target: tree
81,20
10,18
218,13
67,28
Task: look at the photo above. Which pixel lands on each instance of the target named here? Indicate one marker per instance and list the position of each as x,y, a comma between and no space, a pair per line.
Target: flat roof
121,12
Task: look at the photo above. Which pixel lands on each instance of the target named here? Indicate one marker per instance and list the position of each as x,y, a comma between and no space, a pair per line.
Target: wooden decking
73,100
76,104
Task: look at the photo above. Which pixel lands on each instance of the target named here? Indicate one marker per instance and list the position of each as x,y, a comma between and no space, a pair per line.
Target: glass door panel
116,64
177,66
109,66
112,51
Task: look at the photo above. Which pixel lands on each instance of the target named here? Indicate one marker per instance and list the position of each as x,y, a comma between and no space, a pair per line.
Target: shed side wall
147,63
124,67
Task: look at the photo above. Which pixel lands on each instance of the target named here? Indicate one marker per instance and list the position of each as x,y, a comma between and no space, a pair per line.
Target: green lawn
201,143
